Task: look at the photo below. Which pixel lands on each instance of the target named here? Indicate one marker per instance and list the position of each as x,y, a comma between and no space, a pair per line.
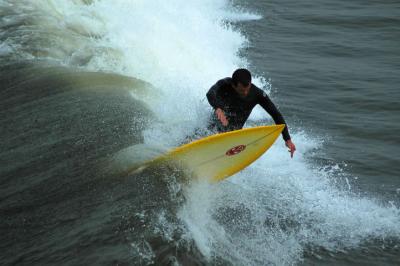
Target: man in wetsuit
234,98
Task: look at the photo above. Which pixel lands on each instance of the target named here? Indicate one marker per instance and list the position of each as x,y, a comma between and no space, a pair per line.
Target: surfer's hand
221,116
291,147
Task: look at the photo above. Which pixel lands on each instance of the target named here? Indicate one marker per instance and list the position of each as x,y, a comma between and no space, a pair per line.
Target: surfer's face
242,90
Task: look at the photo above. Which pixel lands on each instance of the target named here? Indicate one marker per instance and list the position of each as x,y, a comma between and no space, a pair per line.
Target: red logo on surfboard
235,150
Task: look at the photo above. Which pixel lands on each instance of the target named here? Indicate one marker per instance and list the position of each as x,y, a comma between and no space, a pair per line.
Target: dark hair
241,76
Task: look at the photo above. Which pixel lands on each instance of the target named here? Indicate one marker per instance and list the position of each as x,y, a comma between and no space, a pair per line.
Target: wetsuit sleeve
214,95
271,109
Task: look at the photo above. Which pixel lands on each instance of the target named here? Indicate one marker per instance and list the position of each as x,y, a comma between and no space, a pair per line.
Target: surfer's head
241,80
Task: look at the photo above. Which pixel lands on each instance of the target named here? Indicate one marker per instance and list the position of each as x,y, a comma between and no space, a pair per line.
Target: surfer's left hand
291,146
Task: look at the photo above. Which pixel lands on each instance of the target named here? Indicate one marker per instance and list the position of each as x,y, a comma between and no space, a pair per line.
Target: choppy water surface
89,87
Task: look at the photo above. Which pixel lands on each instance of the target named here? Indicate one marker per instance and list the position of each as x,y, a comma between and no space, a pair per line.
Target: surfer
234,98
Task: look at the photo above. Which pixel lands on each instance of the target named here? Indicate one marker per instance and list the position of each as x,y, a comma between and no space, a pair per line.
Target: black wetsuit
237,109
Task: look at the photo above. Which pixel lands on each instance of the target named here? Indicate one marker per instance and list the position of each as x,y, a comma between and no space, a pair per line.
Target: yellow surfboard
219,156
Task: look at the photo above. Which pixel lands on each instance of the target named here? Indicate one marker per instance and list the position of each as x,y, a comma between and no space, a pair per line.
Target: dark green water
335,66
81,82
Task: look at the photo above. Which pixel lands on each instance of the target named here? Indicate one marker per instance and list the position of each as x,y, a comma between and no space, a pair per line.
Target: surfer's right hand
221,116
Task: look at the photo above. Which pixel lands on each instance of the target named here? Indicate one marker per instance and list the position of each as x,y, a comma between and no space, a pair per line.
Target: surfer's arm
271,109
213,95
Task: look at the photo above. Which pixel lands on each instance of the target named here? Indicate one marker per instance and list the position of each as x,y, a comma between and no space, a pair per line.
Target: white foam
288,204
281,206
182,48
5,49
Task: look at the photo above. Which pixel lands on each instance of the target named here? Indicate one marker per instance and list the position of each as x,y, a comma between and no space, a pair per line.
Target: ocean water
88,88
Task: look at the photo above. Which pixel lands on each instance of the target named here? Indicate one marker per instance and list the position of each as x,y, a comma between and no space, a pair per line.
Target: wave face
82,81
